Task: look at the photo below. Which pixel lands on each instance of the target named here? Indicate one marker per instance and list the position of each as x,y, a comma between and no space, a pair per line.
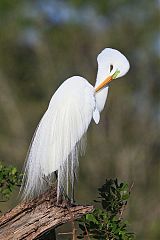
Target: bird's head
112,64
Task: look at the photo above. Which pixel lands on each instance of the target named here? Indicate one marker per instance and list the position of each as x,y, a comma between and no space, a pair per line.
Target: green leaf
104,222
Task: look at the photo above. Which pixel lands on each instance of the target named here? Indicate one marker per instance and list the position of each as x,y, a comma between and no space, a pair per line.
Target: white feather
60,134
58,138
96,116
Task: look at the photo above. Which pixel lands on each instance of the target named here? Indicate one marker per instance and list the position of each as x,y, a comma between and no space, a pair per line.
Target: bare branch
34,218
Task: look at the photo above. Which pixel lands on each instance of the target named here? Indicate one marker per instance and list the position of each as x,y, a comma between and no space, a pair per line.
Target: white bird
60,135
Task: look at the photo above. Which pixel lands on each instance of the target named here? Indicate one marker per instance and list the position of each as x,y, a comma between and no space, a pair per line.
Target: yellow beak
104,83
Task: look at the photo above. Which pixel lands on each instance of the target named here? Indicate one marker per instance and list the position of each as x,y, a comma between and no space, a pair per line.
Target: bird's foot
65,203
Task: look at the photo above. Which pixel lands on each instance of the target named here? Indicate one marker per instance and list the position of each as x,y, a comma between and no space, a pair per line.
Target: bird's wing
56,142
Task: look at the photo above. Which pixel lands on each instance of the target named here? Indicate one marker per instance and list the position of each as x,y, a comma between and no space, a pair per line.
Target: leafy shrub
9,178
106,222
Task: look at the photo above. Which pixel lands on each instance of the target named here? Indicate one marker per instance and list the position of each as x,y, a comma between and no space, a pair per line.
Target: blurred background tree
42,43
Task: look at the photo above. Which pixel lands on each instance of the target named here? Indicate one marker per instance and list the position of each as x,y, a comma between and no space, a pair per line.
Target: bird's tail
37,177
49,152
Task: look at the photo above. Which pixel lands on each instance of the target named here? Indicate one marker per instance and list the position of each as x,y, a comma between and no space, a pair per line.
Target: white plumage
60,135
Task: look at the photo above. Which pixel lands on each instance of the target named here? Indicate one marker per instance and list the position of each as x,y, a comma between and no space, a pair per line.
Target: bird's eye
111,67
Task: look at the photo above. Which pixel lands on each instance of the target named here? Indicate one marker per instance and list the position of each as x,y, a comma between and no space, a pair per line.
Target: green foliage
37,55
106,222
9,178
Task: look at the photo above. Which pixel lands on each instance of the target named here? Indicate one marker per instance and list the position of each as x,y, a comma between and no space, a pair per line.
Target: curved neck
102,74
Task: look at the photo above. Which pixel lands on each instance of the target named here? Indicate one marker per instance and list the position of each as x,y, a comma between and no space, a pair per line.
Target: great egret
59,137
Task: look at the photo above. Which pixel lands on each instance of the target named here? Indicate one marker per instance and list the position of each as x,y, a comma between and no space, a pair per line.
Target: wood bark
32,219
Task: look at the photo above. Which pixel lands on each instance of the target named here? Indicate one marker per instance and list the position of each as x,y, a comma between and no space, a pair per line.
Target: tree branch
34,218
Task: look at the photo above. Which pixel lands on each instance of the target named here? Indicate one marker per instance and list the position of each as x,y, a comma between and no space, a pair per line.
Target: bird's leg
62,200
60,197
73,192
56,175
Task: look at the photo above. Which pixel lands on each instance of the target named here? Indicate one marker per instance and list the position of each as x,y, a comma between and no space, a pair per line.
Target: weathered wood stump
32,219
